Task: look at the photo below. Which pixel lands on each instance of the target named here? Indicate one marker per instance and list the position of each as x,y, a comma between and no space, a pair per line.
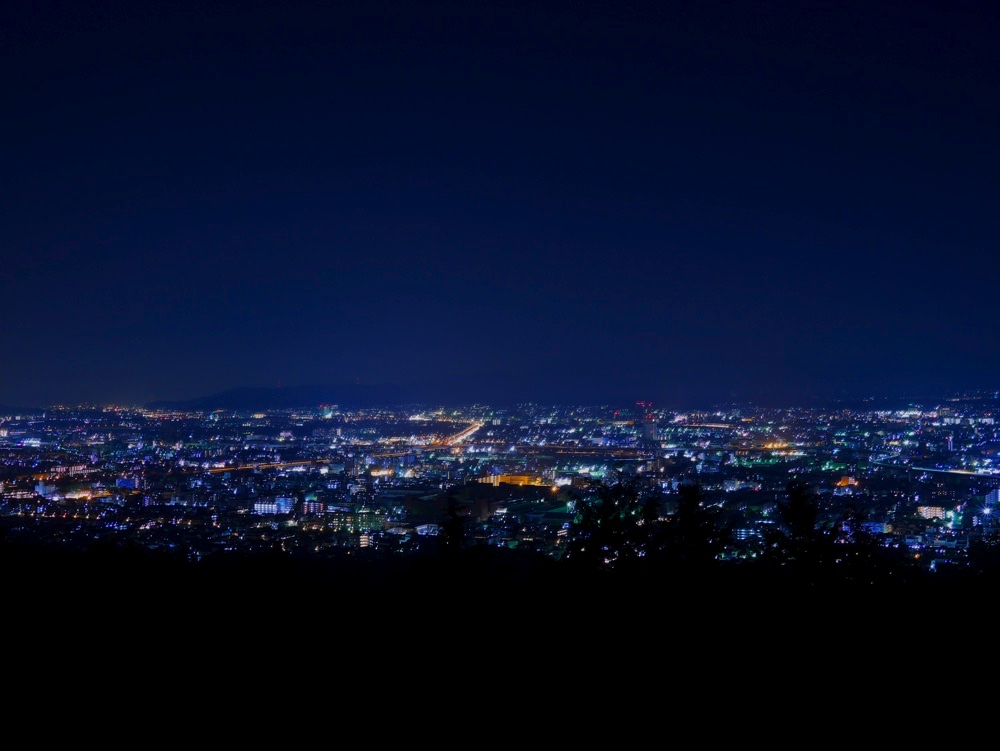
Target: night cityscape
532,497
661,315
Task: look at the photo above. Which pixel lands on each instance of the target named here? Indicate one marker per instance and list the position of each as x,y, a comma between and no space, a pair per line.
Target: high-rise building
649,428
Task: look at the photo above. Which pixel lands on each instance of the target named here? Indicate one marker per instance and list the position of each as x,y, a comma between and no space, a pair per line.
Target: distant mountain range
291,397
355,396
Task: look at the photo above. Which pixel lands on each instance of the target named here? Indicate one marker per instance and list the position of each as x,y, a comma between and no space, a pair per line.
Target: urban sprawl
330,481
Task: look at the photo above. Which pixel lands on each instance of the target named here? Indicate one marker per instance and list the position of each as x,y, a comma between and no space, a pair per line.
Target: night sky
579,202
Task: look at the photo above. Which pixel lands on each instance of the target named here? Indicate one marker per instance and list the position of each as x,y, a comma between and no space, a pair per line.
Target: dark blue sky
571,202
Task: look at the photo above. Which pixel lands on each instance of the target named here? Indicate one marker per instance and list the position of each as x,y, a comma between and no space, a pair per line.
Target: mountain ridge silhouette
290,397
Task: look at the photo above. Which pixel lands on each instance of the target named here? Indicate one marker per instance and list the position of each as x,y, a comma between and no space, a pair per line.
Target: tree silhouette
616,530
799,514
795,542
693,537
453,529
984,554
650,513
606,533
861,557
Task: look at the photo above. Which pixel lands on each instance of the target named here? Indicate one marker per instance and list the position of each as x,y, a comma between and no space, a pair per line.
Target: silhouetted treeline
623,555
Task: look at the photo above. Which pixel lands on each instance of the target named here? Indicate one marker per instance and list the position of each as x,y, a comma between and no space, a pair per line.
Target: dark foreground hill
475,594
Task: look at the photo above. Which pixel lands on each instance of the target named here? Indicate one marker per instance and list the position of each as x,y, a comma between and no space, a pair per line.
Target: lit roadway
461,435
909,467
451,440
267,465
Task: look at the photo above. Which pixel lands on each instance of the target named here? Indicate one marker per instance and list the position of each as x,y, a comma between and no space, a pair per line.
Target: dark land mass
367,396
361,396
474,595
293,397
